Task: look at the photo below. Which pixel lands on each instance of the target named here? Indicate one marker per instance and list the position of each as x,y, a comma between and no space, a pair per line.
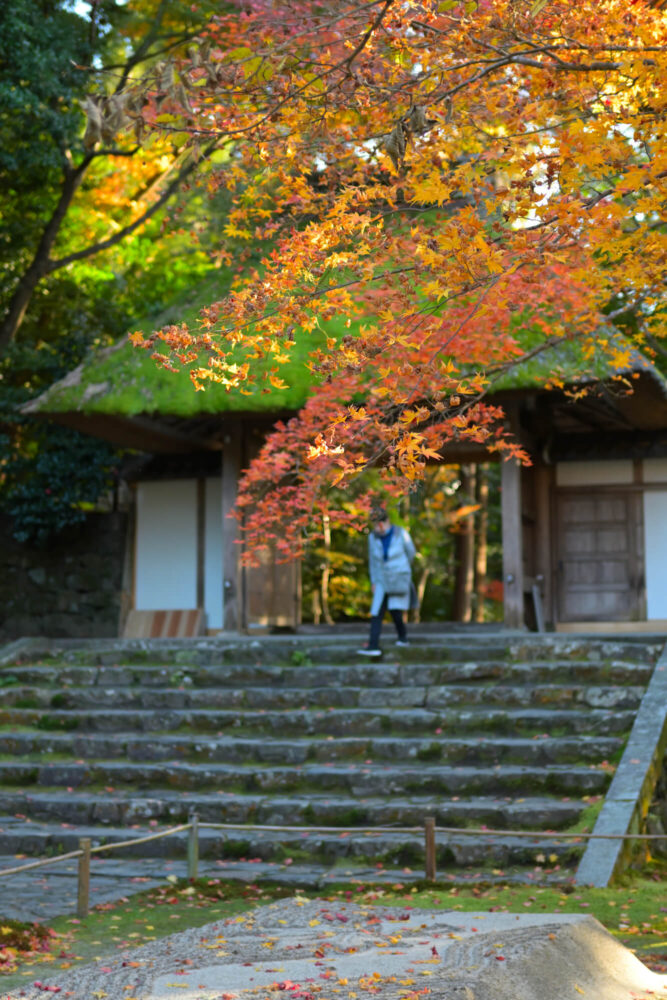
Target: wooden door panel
578,541
590,606
271,590
598,556
582,573
609,509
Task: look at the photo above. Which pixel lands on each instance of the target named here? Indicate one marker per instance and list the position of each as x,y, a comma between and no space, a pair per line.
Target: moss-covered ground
635,913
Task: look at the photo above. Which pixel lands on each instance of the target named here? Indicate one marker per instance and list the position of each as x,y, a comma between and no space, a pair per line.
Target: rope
41,864
139,840
465,831
366,830
94,850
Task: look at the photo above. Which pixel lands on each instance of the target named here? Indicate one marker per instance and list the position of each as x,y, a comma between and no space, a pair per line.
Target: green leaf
236,55
537,7
447,5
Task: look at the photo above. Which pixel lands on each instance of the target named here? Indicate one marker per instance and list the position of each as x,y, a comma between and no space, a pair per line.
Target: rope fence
193,826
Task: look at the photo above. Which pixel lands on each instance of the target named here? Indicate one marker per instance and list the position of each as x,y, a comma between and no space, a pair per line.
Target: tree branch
95,248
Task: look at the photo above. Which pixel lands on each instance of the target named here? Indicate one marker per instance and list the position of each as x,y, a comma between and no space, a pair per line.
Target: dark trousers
376,625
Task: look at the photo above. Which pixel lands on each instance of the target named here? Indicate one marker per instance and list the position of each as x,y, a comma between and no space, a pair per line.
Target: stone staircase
512,733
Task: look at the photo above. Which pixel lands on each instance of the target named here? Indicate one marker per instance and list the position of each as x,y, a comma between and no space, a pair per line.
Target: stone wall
71,588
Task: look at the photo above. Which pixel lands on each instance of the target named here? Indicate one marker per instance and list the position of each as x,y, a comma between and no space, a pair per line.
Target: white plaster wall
594,473
655,548
655,470
166,545
213,568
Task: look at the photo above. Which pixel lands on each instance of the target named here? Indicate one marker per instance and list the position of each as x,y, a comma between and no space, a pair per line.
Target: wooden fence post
429,840
193,846
83,889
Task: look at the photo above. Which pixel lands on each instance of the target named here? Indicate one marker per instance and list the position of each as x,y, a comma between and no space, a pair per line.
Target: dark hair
378,514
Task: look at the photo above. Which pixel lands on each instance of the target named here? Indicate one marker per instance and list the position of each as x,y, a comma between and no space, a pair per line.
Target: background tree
86,243
72,190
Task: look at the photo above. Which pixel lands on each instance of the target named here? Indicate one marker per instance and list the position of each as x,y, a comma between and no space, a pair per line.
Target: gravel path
315,950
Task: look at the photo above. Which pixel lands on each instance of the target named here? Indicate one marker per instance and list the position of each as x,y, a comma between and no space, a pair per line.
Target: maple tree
433,179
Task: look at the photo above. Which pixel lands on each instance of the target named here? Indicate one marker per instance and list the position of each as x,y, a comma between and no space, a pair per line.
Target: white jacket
400,554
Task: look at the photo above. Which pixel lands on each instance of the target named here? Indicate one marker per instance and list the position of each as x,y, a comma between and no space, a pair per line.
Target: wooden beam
143,433
543,543
512,543
231,471
127,587
201,542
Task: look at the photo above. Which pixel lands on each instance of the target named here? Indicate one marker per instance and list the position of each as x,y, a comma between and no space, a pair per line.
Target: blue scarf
386,541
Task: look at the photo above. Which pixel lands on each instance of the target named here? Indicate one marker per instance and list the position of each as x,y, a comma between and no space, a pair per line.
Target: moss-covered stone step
123,808
339,648
439,696
329,676
230,749
335,722
357,779
390,849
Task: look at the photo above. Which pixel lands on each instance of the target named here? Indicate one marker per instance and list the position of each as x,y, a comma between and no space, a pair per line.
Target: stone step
439,696
53,891
366,674
389,849
124,809
334,722
341,647
496,750
355,779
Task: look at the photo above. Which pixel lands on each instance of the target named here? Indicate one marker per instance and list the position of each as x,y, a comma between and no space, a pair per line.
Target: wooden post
429,843
83,889
512,543
231,470
193,846
481,541
465,550
201,542
127,588
543,541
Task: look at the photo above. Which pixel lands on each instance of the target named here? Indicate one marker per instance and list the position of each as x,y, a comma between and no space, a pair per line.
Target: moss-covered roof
124,380
572,362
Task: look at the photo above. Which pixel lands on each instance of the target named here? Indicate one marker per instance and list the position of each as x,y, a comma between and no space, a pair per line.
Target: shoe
369,652
402,642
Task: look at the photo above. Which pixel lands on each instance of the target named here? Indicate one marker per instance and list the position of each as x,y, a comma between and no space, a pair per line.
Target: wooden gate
599,556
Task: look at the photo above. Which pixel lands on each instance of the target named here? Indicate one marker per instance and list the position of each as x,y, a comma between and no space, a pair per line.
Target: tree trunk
41,263
465,551
326,570
421,590
481,546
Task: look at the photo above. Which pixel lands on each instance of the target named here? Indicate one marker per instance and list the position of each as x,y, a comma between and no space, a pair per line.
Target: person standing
390,555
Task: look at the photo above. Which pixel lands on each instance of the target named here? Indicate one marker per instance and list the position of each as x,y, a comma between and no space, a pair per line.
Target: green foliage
48,488
47,473
300,659
41,46
53,724
44,48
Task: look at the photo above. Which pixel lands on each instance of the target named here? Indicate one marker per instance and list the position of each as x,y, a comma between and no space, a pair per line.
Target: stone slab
43,894
314,948
629,796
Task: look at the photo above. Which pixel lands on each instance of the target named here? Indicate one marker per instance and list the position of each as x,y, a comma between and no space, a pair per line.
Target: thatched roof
119,392
125,381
